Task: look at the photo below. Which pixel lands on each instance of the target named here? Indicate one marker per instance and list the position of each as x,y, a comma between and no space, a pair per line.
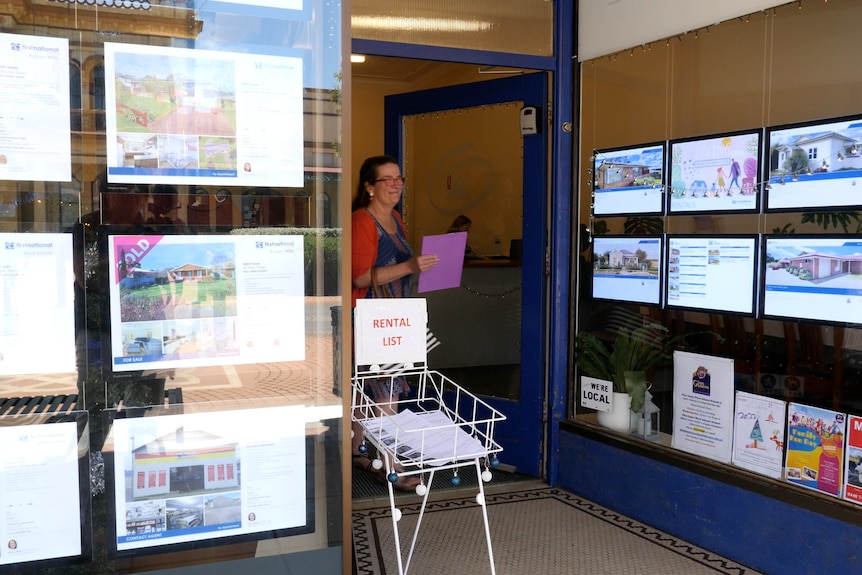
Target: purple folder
447,273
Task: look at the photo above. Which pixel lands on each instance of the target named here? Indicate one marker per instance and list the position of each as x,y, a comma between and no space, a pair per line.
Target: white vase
618,418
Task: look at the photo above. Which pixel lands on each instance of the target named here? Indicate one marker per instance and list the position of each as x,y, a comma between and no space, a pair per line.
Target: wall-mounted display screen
814,165
37,267
178,116
45,513
714,273
186,478
717,173
629,181
813,277
195,300
627,268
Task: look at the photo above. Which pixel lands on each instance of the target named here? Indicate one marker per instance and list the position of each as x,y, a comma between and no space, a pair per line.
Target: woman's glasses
392,182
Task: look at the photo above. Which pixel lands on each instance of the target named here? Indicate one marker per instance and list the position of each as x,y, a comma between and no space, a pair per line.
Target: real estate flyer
40,499
35,140
758,434
186,478
815,448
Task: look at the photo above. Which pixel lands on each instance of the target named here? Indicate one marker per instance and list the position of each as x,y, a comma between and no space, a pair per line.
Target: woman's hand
422,263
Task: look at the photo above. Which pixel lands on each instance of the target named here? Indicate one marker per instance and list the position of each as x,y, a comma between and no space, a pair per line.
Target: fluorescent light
357,58
418,24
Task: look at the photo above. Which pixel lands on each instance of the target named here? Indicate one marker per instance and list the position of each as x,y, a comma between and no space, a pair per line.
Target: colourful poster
758,434
853,462
815,448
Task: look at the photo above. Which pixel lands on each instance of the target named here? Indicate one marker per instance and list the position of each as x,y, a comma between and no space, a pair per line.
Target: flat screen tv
46,491
715,273
37,338
814,165
629,180
814,277
717,173
627,268
189,480
177,301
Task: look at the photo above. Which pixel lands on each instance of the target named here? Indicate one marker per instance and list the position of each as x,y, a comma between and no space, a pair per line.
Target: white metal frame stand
443,427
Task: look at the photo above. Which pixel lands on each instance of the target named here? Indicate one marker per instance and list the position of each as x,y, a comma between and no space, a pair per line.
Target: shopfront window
723,213
170,188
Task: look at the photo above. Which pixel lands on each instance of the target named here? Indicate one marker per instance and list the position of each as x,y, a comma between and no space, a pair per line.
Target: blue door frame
522,434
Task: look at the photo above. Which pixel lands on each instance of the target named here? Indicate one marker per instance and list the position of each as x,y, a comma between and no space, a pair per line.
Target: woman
379,242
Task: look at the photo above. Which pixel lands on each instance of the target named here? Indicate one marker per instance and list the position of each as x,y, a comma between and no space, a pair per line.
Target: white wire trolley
439,426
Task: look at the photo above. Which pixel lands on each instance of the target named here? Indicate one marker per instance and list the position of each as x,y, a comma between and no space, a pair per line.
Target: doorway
462,151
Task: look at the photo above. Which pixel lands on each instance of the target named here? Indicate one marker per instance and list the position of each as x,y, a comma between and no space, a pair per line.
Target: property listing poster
703,405
758,434
40,499
37,267
35,136
853,461
188,301
815,448
191,477
203,117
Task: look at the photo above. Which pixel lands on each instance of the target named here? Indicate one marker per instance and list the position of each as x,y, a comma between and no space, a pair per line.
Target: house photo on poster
202,117
185,478
815,448
715,174
198,300
703,405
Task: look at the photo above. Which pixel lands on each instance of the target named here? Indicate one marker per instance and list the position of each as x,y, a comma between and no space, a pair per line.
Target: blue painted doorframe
522,434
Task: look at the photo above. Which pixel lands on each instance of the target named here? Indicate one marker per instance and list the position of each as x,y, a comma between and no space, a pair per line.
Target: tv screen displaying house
814,165
627,268
629,181
198,300
712,273
717,173
813,277
180,479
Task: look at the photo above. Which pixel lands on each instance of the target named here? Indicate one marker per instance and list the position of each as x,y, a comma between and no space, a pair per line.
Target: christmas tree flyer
815,448
758,433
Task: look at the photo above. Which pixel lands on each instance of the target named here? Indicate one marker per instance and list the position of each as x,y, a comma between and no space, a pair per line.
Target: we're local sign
597,394
390,331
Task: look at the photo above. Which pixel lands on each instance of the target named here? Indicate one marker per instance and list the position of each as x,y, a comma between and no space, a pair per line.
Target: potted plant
625,361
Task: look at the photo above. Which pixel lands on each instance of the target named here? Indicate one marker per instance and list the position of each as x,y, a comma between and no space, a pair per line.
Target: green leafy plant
626,360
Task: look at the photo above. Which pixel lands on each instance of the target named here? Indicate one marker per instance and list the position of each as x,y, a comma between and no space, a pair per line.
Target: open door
463,153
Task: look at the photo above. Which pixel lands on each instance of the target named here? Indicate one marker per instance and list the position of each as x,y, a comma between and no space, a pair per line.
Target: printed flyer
853,462
758,434
815,445
703,405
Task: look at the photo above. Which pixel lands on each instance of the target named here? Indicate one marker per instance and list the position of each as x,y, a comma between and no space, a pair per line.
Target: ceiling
390,69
